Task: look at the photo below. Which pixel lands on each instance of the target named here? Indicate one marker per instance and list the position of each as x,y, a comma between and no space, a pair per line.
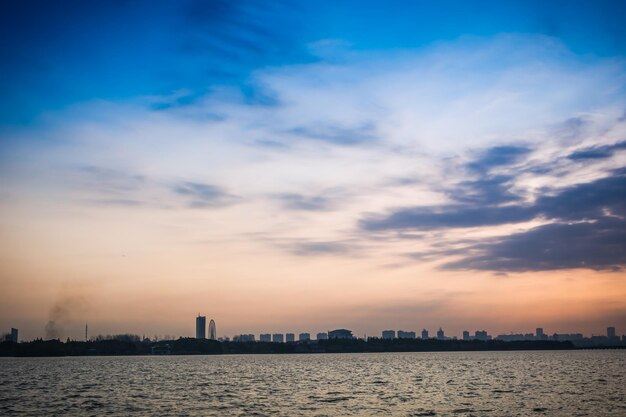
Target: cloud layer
514,138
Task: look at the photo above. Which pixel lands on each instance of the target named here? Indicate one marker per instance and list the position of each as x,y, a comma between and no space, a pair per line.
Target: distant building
482,335
424,334
304,337
278,338
200,327
340,334
9,337
515,337
440,334
322,336
599,340
265,337
466,335
212,330
244,338
539,335
389,334
290,337
406,335
565,337
610,332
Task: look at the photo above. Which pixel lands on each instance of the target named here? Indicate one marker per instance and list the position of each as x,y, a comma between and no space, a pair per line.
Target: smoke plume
63,313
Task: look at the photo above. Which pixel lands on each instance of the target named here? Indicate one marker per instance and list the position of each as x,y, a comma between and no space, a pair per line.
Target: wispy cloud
337,134
319,248
447,137
293,201
200,195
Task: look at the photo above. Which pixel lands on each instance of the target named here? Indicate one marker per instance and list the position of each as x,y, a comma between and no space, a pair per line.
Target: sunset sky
304,166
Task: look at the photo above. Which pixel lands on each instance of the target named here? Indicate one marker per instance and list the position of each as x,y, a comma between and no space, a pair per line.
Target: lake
551,383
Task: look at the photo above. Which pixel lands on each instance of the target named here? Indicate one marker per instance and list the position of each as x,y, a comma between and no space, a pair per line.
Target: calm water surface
574,383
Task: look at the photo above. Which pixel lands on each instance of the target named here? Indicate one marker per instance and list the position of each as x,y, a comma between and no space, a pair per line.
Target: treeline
191,346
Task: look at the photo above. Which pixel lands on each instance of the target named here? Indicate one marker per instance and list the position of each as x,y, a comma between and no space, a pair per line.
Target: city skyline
312,165
208,331
611,336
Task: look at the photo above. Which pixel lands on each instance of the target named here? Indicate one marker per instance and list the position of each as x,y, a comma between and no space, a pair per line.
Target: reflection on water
564,383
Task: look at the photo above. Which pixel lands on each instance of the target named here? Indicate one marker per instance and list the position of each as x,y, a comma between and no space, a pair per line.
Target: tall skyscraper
424,334
200,327
440,334
14,335
539,335
610,332
466,335
212,330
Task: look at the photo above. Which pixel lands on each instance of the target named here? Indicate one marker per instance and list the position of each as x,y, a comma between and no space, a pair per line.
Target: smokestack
86,339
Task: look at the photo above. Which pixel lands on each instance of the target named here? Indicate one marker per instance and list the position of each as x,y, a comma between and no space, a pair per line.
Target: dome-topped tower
212,330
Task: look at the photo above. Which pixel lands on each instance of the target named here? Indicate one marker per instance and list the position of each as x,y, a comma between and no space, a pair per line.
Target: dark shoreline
190,346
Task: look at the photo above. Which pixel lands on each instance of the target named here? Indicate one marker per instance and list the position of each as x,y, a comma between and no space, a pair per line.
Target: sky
304,166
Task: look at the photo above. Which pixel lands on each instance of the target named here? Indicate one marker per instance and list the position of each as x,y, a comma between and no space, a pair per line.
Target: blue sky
55,54
365,165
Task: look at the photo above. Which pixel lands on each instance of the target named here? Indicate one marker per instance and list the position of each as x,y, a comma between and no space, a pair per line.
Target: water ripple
572,383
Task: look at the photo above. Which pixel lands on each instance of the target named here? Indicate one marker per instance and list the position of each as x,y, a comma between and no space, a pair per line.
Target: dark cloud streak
498,156
599,245
597,152
586,222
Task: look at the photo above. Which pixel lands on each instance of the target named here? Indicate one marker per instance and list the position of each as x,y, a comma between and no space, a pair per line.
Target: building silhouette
212,330
482,335
304,337
567,337
389,334
610,332
539,335
290,337
440,334
9,337
406,335
265,337
424,334
340,334
278,338
200,327
322,336
478,335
